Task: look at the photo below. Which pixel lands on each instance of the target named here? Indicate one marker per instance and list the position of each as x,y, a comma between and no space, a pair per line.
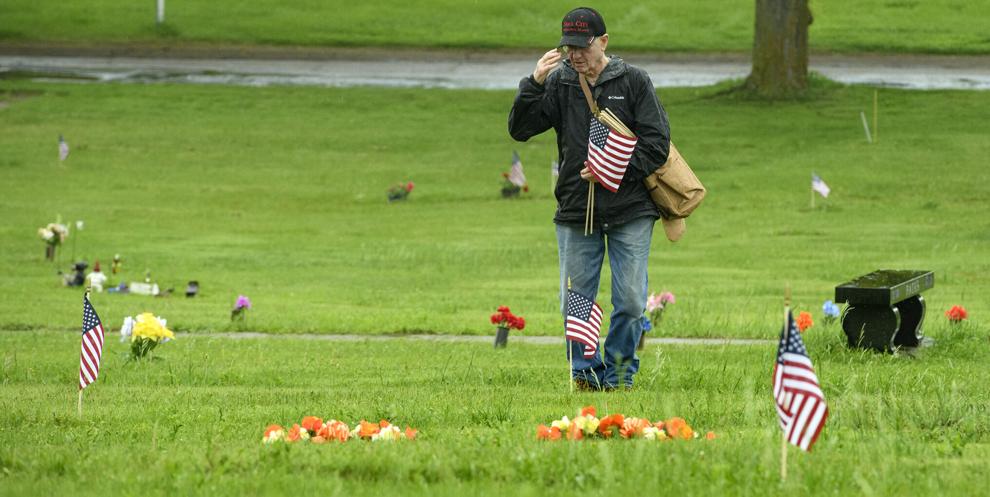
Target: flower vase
501,337
49,252
508,192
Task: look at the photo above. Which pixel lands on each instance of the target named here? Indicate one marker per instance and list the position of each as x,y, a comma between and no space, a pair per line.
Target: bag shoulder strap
587,94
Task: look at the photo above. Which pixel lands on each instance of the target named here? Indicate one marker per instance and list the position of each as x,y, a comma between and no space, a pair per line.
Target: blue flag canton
598,133
791,342
90,319
578,306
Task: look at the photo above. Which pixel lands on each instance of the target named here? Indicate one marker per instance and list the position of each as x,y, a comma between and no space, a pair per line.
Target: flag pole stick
866,127
783,435
79,404
783,457
591,223
876,127
570,355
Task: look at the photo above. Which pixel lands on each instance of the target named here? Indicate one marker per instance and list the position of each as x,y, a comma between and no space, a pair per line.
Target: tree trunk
780,48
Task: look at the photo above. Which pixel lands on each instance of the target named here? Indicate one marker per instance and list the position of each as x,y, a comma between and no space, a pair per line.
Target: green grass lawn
191,423
279,194
943,26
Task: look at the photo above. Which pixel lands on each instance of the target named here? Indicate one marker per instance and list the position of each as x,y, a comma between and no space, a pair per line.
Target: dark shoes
583,385
617,388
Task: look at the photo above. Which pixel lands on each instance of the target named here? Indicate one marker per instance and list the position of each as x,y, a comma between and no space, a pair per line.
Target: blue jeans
581,259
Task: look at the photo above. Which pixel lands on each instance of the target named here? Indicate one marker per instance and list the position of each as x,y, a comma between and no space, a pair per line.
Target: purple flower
242,302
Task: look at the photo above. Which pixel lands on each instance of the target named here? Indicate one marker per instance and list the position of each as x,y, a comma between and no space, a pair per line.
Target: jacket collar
616,67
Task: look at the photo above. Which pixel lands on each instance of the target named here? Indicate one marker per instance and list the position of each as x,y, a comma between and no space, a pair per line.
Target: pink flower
242,302
409,186
667,298
653,303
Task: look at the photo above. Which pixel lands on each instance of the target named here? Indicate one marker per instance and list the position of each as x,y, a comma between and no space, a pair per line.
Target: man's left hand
586,173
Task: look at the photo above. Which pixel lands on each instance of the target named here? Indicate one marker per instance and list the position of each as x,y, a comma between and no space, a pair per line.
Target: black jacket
560,104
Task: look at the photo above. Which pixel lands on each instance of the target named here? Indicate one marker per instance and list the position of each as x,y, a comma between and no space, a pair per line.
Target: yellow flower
148,326
587,423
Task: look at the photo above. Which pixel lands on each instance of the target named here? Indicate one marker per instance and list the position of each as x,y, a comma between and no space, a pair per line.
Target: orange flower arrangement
588,426
804,321
313,429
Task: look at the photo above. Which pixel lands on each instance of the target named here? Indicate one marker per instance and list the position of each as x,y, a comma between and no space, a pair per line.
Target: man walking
624,219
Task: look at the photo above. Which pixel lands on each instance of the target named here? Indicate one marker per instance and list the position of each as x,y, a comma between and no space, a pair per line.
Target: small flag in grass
63,148
584,322
92,345
819,186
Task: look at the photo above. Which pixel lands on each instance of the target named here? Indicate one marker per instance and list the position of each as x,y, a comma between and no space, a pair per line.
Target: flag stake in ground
876,109
866,127
787,311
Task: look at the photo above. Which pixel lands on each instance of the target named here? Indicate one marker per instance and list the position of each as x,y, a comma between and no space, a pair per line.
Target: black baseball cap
580,25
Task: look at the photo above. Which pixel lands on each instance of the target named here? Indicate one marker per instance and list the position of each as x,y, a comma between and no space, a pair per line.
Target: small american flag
819,186
797,394
584,322
608,154
92,345
516,176
63,148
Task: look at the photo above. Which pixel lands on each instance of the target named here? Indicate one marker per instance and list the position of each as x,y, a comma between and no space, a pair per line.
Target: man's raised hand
546,65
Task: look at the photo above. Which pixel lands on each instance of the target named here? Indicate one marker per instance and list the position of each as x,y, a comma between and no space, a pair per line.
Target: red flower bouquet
956,314
506,320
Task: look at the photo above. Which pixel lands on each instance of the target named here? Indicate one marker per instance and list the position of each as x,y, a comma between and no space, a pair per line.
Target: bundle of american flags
610,147
798,396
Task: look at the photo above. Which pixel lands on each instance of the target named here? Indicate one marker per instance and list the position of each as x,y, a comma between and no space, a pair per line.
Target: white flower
653,433
274,436
388,432
126,329
563,424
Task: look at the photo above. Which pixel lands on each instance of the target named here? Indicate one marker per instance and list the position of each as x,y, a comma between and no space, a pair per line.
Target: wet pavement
438,70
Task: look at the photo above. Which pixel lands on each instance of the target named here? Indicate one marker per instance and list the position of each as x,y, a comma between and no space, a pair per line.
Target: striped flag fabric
818,185
92,345
799,399
584,322
608,154
516,176
63,149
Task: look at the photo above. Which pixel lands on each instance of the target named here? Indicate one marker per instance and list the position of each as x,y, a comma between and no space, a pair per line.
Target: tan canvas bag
674,187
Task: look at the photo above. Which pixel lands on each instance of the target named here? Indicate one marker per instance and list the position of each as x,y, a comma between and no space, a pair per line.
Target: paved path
437,69
538,340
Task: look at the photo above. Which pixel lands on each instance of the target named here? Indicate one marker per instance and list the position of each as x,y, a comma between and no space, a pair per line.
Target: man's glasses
564,49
